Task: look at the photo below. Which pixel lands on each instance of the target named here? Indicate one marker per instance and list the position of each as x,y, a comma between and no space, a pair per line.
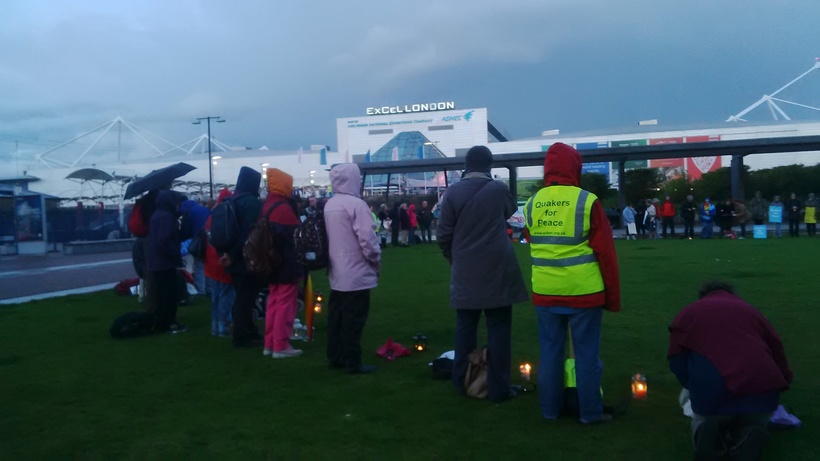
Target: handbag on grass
475,382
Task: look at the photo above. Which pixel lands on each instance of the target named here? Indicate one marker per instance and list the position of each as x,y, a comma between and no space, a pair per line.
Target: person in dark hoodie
163,258
795,211
687,212
732,362
485,275
395,224
247,204
574,279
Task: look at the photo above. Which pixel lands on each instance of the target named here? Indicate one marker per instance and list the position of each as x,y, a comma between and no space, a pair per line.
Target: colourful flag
396,154
323,156
367,156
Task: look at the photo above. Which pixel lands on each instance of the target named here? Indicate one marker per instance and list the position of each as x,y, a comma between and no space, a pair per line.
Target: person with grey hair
687,212
485,275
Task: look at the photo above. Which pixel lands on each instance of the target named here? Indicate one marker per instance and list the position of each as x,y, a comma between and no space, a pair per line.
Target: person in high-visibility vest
574,279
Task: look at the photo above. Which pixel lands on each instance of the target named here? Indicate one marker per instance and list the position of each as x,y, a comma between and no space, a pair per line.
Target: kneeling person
730,358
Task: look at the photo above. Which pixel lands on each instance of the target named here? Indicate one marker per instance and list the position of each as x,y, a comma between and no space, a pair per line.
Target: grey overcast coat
472,234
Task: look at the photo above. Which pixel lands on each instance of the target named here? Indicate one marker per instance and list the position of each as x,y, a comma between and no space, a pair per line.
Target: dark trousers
689,227
499,327
347,314
247,289
794,227
743,229
811,229
668,222
394,233
166,297
150,286
426,235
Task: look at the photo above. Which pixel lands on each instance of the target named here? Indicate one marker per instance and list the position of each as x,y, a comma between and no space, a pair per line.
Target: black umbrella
157,178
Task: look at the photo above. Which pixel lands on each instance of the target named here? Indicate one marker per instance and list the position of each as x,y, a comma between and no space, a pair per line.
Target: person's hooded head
411,208
279,183
562,166
346,179
168,200
248,180
479,159
223,194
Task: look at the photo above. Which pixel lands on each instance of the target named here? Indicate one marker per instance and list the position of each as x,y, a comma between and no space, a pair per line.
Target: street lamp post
198,121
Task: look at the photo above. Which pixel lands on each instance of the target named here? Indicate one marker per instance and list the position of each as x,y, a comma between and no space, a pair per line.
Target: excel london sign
409,108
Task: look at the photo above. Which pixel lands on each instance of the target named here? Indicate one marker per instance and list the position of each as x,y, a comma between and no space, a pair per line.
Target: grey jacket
472,234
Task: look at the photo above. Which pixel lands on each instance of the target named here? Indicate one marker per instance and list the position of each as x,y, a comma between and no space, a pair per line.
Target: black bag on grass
132,324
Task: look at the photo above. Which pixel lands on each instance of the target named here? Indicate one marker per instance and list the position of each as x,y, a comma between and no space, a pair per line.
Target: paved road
22,276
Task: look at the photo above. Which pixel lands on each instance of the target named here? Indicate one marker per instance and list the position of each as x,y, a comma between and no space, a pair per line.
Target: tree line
644,183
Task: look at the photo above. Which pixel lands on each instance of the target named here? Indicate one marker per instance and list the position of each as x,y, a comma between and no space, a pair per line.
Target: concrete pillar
621,188
737,177
513,182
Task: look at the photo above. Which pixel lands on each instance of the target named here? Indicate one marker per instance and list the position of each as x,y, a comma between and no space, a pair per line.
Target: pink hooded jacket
355,256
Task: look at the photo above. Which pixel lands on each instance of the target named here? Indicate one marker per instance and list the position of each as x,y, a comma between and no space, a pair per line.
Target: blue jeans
199,276
586,339
222,299
706,231
777,232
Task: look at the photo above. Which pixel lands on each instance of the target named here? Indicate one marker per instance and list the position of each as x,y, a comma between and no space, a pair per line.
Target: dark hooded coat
163,244
248,206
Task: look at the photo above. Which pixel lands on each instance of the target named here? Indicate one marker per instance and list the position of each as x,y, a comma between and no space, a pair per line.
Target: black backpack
132,324
262,252
225,229
310,242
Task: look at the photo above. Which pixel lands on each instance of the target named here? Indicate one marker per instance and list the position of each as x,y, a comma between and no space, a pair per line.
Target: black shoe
605,418
513,394
335,365
751,446
363,369
248,343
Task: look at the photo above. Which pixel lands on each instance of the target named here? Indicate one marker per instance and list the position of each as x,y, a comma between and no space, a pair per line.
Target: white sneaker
287,353
267,352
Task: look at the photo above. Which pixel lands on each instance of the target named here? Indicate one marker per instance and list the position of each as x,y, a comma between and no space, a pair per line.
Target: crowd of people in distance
575,279
642,221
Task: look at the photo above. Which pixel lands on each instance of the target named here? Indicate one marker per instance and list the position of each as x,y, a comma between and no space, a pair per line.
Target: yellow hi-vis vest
563,263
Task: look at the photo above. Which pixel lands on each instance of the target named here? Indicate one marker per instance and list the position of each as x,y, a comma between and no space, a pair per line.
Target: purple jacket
355,256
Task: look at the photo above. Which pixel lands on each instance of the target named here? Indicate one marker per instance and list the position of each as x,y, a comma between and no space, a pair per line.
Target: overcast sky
282,71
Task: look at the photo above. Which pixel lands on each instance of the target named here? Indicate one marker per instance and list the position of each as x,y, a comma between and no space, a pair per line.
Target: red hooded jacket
562,167
213,270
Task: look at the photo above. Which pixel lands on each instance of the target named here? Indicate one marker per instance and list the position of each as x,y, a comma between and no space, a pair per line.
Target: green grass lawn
70,391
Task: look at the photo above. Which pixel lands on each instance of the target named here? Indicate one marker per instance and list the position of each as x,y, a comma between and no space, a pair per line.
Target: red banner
695,167
699,165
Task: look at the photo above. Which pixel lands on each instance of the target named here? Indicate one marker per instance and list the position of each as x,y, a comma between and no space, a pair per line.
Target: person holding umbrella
163,258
